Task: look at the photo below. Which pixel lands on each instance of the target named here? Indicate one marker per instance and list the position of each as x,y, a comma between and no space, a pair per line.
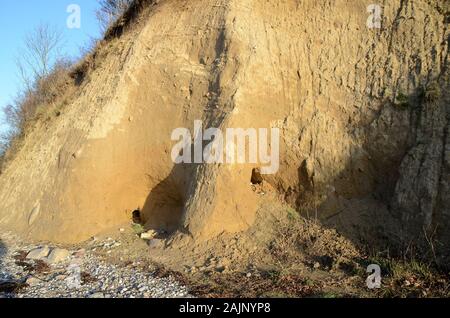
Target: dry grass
50,94
44,102
239,285
312,261
411,278
87,278
265,285
11,287
127,19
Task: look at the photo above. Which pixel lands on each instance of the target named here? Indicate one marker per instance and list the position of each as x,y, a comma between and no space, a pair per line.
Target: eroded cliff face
363,115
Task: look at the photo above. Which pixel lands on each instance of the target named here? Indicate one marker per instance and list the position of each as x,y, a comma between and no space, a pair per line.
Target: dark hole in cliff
79,73
256,176
136,215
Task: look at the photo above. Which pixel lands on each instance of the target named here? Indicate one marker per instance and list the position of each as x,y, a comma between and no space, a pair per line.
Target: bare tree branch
110,11
40,50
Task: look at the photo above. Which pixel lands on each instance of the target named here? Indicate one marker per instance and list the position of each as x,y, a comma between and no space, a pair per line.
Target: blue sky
19,17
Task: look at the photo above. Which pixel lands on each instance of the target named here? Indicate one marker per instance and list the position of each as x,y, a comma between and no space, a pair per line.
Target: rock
57,255
32,281
38,253
80,253
149,235
97,295
220,269
316,265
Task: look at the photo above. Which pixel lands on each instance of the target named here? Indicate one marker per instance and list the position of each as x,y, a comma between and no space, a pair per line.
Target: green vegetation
401,100
138,228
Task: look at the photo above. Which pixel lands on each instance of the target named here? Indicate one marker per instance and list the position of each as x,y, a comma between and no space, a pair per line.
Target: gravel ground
81,275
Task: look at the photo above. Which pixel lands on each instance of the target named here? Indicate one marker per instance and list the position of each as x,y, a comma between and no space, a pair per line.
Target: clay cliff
363,115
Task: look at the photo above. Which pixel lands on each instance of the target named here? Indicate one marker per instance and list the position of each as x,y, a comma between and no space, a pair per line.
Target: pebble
149,235
67,279
32,281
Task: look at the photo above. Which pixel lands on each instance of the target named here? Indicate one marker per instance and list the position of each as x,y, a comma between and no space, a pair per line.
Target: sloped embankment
363,115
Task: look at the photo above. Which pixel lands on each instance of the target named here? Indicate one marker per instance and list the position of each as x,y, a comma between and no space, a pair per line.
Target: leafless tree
41,49
110,11
38,64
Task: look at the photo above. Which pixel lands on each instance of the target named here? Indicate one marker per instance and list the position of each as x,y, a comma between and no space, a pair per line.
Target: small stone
57,255
32,281
97,295
149,235
80,253
38,253
316,265
249,275
220,269
121,230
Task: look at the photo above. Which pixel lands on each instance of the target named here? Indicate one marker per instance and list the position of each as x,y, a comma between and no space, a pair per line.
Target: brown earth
363,116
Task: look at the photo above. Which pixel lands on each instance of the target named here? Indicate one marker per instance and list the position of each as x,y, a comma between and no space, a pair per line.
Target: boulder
57,255
39,253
